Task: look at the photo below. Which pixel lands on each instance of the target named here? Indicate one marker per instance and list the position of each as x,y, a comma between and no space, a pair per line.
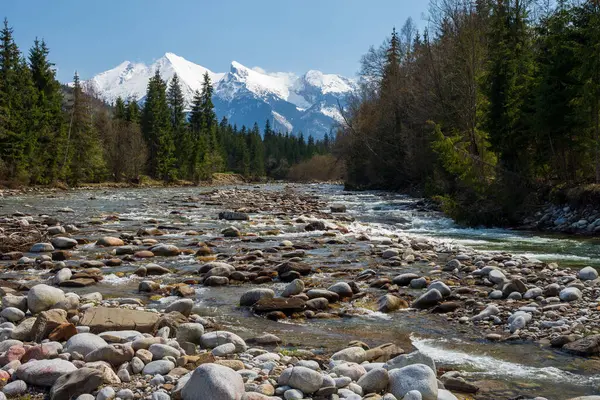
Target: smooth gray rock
12,314
75,383
161,367
84,343
351,354
293,288
441,287
43,297
570,294
252,296
15,388
184,306
213,382
44,372
416,357
301,378
213,339
374,381
428,299
190,332
418,377
587,274
160,351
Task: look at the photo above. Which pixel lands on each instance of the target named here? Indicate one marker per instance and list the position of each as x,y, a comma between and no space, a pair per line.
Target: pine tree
156,128
84,150
178,124
120,112
13,78
132,113
49,126
257,160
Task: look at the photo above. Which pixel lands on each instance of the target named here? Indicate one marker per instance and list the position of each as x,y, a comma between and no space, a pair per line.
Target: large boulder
301,378
61,242
101,319
190,332
214,382
84,343
42,297
416,357
75,383
414,377
570,294
44,372
252,296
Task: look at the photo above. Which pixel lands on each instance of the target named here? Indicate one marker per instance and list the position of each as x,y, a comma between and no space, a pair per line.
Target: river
505,370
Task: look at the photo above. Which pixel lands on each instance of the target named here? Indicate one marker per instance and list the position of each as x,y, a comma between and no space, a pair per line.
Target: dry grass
16,238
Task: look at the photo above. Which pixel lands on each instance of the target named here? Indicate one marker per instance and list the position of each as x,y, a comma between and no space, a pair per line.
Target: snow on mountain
307,103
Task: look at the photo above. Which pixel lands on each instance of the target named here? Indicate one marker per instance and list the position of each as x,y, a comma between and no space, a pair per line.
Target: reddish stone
63,332
15,352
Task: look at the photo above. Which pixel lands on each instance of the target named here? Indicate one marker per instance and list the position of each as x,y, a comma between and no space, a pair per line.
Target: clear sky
92,36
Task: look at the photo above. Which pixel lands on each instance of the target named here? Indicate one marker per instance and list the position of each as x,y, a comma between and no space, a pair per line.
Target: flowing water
503,370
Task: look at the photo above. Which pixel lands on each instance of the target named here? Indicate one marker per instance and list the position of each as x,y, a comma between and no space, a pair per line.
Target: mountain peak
243,95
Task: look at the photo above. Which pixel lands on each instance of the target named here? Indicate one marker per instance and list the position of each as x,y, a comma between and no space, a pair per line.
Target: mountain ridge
305,103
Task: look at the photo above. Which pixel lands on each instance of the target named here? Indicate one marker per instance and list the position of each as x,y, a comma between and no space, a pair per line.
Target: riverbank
288,264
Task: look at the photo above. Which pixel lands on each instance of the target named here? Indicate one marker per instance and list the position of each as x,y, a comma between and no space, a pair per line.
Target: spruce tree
120,109
49,126
156,128
178,124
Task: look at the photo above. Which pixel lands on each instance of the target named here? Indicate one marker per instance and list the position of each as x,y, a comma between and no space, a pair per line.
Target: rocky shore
61,336
564,218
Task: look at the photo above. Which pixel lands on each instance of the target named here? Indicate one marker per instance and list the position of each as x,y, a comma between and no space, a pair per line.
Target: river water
503,370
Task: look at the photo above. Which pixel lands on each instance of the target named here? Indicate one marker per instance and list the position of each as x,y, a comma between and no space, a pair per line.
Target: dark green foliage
51,133
486,111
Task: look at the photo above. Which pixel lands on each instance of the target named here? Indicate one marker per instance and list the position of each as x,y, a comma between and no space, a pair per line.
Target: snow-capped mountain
307,103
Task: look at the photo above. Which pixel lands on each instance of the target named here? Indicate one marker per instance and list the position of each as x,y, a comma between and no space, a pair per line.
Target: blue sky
276,35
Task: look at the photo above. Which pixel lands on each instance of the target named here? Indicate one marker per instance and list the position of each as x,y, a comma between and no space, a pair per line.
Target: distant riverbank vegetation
492,109
53,134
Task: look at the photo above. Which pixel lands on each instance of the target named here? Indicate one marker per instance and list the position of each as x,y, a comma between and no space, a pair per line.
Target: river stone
293,288
403,360
374,381
570,294
165,250
61,276
160,351
342,289
12,314
301,378
214,382
404,279
190,332
496,276
161,367
109,241
388,303
351,370
233,216
487,312
440,287
75,383
533,293
428,299
41,248
106,393
42,297
120,336
496,294
184,306
351,354
414,377
223,350
252,296
411,395
213,339
419,283
44,372
63,242
15,388
101,319
84,343
516,285
114,354
23,330
585,347
46,322
19,302
588,274
389,253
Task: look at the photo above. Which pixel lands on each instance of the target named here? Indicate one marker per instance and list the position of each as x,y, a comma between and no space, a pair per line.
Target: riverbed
501,369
